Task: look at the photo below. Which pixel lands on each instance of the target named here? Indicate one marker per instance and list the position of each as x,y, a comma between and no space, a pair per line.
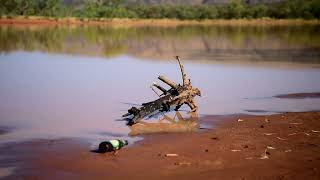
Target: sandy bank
35,20
284,146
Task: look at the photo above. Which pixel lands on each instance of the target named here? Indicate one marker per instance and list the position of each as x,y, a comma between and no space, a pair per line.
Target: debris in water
176,96
289,150
315,131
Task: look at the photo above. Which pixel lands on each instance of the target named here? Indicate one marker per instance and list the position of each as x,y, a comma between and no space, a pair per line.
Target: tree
315,8
207,12
256,11
235,9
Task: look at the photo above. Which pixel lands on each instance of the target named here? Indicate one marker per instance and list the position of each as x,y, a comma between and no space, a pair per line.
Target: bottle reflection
167,123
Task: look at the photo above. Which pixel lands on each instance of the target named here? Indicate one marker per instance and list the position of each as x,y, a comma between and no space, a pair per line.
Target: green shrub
257,11
315,8
236,9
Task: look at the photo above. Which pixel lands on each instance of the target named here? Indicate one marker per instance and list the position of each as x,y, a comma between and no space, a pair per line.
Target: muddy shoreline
282,146
5,130
299,95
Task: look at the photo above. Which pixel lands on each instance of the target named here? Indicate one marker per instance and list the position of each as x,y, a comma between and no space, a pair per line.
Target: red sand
232,150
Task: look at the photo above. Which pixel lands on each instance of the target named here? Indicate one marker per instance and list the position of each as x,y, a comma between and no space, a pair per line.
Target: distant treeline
236,9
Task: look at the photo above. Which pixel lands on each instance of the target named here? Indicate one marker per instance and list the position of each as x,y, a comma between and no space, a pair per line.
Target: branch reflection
167,123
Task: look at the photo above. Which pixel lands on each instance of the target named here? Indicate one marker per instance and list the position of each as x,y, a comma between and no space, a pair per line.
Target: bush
236,9
207,12
257,11
314,8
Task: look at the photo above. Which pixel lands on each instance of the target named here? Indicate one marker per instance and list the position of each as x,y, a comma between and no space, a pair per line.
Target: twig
240,120
264,156
270,147
269,134
154,91
172,155
283,139
292,134
307,134
235,150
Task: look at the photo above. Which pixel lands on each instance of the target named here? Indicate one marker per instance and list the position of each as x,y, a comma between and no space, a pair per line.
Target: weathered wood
169,82
176,96
163,90
185,80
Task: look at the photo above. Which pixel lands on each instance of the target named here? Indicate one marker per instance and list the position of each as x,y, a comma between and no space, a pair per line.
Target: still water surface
76,81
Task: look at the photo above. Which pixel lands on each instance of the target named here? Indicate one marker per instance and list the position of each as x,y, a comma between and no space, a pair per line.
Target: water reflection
212,43
166,124
52,86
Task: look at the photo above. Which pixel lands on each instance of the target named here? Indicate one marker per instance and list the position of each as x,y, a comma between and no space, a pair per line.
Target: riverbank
299,95
37,20
282,146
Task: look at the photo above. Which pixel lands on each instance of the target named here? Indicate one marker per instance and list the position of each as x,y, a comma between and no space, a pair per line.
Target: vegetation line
95,10
41,20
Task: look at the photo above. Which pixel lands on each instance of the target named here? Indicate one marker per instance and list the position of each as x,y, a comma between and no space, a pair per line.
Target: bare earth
284,146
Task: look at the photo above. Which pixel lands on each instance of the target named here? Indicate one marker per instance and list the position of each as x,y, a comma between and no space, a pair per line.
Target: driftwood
175,97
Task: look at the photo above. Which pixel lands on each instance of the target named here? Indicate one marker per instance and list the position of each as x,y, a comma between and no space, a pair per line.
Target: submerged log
176,96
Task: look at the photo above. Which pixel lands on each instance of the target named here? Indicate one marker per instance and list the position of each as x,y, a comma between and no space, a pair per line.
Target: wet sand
283,146
4,130
299,95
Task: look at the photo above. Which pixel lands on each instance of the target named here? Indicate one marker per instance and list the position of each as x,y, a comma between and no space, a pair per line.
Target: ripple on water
6,171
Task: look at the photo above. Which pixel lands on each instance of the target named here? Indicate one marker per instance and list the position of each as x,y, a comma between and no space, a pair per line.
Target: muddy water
76,81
